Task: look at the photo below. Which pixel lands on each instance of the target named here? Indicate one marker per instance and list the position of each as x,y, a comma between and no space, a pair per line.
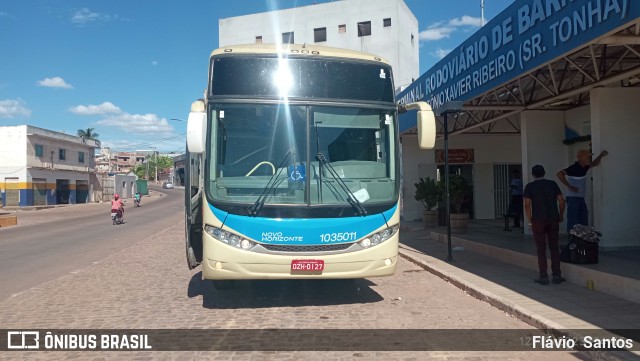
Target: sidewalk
565,309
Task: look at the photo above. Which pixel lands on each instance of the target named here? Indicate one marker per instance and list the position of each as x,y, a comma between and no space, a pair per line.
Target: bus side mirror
197,128
426,124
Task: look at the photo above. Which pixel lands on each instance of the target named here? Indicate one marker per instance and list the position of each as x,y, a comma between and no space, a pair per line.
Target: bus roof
297,49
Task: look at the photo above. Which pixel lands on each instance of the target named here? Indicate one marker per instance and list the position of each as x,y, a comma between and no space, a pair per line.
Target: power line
148,143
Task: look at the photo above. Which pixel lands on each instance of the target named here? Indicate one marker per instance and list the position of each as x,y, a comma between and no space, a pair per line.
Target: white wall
407,67
13,155
392,43
51,153
579,119
542,136
488,150
416,164
13,140
615,128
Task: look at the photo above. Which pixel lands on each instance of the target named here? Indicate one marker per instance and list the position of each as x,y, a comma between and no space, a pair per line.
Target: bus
293,165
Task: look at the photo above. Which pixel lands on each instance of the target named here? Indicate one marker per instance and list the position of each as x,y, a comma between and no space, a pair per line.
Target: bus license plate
307,265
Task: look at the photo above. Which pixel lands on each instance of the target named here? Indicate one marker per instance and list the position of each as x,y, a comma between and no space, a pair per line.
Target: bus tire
224,284
191,258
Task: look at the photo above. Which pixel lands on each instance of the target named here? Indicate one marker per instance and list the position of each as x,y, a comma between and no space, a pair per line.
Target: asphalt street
63,240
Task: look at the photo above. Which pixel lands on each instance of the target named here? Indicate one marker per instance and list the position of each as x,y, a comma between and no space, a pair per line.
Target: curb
507,306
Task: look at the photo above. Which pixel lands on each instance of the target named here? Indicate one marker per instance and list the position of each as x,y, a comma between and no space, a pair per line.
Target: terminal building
539,82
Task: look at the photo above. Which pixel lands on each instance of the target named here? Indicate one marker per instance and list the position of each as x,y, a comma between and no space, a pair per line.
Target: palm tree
89,133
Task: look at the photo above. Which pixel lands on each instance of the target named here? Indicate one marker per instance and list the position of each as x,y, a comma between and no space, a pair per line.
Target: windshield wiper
255,209
351,198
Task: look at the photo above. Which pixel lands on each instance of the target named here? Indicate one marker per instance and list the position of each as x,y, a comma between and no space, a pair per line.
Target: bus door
193,209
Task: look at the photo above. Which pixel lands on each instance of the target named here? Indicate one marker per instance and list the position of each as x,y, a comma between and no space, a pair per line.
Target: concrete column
615,128
542,134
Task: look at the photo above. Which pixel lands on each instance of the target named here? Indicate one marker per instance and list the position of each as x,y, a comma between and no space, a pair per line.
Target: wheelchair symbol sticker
296,173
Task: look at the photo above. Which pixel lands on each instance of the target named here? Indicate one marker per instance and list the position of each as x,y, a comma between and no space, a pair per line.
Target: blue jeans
577,212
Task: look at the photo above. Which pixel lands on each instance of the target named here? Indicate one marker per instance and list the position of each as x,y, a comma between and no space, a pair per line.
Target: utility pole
156,153
482,11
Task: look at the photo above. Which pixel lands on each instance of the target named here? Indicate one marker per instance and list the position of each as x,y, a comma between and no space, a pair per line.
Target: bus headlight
229,238
379,237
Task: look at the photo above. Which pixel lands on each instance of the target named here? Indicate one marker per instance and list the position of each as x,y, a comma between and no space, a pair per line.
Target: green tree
150,166
140,171
459,191
429,192
89,133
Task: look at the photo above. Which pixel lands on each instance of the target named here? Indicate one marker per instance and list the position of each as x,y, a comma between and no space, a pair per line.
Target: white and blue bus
293,165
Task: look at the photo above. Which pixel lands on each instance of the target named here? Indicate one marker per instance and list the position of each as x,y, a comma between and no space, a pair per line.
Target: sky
126,68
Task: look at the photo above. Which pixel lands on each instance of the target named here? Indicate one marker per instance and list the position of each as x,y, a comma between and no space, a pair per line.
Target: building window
62,154
80,157
412,39
320,35
364,28
39,150
258,39
342,28
386,22
287,38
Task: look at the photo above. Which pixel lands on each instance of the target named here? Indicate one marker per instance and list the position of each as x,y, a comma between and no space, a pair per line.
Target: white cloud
10,108
84,16
121,144
138,123
436,33
55,82
101,109
442,30
154,63
466,20
441,53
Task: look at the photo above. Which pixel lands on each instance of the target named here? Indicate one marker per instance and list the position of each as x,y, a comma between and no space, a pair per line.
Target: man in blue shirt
574,178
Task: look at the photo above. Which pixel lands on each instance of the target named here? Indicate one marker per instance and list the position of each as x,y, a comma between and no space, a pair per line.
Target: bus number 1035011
338,237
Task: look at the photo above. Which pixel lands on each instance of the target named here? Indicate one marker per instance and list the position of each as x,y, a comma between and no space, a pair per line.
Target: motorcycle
116,218
136,202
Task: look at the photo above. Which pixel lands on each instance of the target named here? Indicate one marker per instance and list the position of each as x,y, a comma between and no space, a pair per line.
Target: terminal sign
526,35
456,156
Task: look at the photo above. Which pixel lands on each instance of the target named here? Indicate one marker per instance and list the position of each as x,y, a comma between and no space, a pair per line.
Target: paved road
148,286
51,243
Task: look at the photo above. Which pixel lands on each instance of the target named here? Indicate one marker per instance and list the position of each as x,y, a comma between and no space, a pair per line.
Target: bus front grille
318,248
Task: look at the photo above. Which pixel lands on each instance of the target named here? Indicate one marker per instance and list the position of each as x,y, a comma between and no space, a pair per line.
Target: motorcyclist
138,197
117,206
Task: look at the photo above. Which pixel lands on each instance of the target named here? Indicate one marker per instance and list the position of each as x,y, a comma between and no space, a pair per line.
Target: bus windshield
253,144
